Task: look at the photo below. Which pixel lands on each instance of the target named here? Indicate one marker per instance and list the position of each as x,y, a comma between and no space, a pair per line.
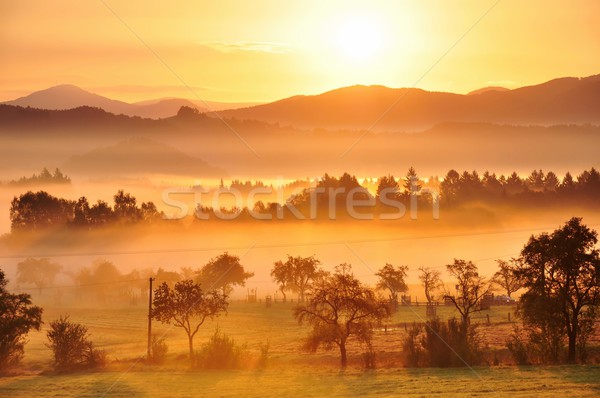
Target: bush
158,351
369,357
536,345
518,347
221,352
411,347
69,341
444,344
263,358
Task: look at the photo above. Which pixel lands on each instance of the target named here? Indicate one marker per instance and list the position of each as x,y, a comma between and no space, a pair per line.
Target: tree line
44,177
40,210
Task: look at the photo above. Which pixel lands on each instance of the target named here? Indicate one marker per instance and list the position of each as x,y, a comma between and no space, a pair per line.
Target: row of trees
40,210
43,178
103,281
33,211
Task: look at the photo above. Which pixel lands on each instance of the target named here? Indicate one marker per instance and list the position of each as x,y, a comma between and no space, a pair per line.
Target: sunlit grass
122,333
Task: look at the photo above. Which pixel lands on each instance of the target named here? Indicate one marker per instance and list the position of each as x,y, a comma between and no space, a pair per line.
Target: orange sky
265,50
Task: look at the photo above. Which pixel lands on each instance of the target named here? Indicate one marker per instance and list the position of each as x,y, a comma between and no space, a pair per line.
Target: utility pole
150,318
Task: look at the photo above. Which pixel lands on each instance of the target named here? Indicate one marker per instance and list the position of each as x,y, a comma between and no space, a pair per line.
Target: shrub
411,347
518,347
69,341
263,358
445,344
158,351
221,352
369,357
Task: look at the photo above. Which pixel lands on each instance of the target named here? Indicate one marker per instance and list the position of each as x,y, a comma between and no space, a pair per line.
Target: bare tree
431,281
470,289
187,306
505,277
340,308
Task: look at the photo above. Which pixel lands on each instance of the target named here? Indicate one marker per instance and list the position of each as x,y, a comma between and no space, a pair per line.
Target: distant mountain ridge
560,101
139,156
68,96
566,100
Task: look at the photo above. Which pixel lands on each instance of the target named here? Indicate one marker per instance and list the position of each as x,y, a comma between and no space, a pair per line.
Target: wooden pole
150,318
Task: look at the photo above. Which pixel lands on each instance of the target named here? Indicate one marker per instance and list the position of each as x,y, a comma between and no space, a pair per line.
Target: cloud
253,46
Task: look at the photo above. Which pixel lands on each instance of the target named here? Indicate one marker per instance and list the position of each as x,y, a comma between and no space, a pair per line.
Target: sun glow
359,38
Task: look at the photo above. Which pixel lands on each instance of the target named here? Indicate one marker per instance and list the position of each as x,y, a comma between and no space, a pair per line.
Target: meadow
121,331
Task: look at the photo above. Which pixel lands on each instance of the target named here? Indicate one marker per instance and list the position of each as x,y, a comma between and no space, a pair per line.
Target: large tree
470,288
392,278
563,269
340,308
187,306
39,210
39,272
223,272
17,317
505,277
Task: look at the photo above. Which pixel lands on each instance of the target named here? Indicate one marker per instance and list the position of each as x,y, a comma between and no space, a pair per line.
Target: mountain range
568,100
68,96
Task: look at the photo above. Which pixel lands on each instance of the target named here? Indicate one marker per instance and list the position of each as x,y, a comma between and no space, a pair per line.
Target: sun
359,38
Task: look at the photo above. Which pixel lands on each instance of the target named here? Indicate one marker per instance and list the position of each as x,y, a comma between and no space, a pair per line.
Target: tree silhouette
551,182
450,187
38,272
125,208
187,306
17,317
563,270
470,289
340,308
40,210
505,277
412,185
388,186
223,272
392,279
302,273
283,275
101,214
431,282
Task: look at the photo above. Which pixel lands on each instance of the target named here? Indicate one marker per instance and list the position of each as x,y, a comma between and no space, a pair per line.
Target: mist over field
301,199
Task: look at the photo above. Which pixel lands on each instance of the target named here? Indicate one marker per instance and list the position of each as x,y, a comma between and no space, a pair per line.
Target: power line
272,246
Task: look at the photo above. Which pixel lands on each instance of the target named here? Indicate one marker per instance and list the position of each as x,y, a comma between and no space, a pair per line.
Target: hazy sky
263,50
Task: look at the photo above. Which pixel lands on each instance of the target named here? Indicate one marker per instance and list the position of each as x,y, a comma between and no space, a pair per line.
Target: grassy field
122,333
577,381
